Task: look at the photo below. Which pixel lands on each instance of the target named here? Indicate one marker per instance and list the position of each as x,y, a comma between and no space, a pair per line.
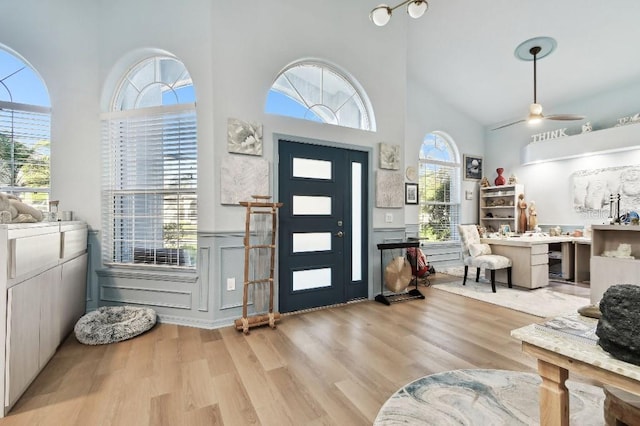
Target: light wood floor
335,366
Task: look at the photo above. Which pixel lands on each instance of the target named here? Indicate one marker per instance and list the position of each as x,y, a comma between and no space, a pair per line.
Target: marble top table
557,356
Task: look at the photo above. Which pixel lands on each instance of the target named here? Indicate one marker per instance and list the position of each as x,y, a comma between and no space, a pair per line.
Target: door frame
369,151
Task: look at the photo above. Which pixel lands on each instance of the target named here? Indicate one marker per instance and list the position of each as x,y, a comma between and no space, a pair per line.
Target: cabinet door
49,313
608,271
23,338
73,293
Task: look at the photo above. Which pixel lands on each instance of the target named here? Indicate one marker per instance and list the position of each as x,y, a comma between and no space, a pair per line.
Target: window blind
25,152
149,186
439,201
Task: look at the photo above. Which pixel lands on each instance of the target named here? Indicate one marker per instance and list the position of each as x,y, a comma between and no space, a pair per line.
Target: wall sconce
380,15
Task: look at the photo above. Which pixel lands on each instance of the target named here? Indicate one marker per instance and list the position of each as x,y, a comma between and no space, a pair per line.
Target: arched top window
157,81
25,131
149,205
316,91
439,188
437,147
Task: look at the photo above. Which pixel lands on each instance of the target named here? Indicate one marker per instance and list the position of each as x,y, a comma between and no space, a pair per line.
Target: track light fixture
381,14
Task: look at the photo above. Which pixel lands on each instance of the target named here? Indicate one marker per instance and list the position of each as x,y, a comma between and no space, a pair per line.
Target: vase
500,180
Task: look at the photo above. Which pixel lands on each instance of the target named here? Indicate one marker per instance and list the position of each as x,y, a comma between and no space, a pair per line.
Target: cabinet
499,206
608,271
43,269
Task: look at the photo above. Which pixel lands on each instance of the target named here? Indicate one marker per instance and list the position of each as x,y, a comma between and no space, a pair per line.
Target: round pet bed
109,324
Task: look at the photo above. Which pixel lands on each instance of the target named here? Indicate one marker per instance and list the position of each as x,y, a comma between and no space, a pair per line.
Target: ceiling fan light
380,15
417,8
535,109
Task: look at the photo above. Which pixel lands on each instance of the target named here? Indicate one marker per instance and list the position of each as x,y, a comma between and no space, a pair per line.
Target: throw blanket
418,261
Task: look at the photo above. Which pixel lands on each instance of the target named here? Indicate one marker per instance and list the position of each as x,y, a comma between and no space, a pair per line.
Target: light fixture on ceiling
533,50
381,14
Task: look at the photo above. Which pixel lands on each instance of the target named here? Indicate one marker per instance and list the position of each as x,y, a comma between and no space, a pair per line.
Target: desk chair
479,255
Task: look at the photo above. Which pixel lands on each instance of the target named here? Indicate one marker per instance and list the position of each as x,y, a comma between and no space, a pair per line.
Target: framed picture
472,167
505,230
411,193
244,137
389,156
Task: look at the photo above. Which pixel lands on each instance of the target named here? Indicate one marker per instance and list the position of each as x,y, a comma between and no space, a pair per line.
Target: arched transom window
316,91
439,187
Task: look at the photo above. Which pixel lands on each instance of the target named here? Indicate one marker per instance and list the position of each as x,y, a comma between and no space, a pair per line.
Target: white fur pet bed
109,324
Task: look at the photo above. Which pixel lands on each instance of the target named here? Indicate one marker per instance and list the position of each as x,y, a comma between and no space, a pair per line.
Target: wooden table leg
554,396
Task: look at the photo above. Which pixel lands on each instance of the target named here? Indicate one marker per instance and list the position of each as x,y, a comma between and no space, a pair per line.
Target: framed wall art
389,156
244,137
472,167
411,193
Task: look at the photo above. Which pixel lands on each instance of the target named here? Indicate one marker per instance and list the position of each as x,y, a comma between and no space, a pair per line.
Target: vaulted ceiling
463,50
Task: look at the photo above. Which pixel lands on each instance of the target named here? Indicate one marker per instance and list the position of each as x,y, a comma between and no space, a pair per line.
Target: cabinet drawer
540,249
539,259
73,242
32,254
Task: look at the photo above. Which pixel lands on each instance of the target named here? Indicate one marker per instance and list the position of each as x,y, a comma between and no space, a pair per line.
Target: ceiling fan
535,109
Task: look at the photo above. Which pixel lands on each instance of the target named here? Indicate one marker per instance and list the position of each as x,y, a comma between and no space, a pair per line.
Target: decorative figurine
484,183
533,216
500,180
586,127
512,179
522,218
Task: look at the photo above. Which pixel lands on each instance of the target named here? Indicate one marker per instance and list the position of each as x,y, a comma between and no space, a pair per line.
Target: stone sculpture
618,328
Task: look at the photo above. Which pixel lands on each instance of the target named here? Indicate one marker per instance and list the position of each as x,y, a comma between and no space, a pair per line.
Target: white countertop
528,240
590,354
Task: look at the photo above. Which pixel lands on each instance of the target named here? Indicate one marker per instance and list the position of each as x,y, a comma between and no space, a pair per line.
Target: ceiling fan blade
508,124
564,117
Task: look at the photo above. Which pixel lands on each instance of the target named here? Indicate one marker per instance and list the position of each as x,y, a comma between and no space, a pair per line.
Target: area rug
484,397
541,302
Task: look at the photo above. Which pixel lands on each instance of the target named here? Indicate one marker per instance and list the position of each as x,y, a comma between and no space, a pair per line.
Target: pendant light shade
381,14
417,8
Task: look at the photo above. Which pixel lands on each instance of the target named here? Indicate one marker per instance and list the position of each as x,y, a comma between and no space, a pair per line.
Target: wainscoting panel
231,261
146,296
204,265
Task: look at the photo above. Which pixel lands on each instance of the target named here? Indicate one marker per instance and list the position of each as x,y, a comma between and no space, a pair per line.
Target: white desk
530,257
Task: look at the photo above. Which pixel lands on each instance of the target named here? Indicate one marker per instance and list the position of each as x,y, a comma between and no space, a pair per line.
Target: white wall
59,39
233,50
427,113
549,183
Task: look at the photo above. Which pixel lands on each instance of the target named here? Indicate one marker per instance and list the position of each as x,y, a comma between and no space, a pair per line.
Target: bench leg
478,274
464,280
509,277
493,280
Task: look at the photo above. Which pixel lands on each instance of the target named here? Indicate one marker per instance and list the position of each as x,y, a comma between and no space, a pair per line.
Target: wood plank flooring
335,366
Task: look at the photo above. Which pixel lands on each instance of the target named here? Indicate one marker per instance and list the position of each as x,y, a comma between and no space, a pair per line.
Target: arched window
150,167
439,187
25,131
316,91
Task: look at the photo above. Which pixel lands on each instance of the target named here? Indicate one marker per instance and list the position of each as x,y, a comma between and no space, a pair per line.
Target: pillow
479,249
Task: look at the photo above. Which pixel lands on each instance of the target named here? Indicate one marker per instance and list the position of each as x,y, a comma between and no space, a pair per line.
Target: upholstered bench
109,324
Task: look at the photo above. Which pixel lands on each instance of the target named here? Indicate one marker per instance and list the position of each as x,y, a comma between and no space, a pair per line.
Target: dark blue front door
323,225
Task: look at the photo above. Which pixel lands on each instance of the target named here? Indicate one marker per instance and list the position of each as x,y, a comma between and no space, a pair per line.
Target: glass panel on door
311,278
311,205
311,241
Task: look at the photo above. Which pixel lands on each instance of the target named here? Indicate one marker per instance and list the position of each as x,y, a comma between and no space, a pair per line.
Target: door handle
340,234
